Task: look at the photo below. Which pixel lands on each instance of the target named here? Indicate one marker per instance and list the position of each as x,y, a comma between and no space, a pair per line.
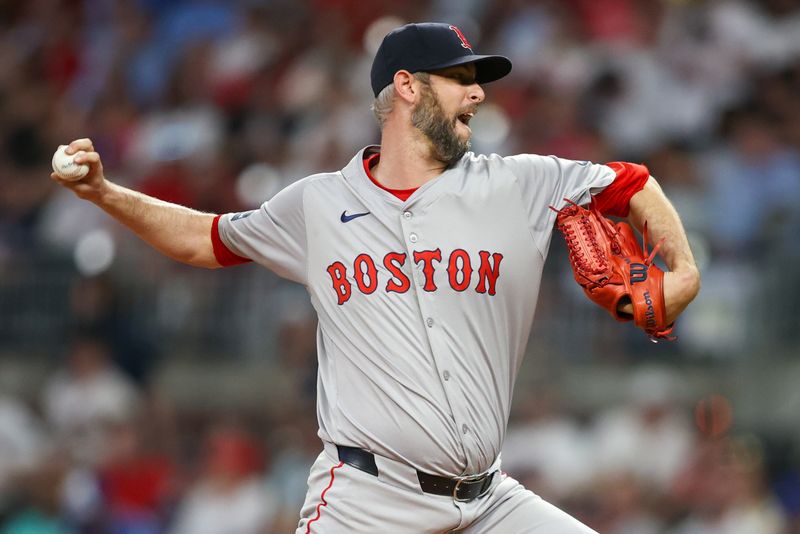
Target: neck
406,161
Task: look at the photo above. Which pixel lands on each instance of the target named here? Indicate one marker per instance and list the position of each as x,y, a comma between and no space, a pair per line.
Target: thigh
327,488
512,509
343,500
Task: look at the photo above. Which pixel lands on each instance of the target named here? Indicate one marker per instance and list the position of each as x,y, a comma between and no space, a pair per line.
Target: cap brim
487,68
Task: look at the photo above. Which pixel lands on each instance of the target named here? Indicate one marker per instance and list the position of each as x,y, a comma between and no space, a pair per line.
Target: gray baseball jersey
424,305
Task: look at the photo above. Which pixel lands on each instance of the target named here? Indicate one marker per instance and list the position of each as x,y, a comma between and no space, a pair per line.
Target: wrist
104,194
685,268
680,289
689,279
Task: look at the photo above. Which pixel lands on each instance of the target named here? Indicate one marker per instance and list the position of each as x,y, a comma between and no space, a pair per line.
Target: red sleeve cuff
615,199
224,256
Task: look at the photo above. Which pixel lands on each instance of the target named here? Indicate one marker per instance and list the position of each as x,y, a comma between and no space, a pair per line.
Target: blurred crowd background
139,396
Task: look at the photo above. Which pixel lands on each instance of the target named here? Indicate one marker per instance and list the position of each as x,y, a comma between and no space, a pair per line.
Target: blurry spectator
238,57
62,223
754,176
168,143
86,394
624,507
561,131
725,490
229,496
649,437
297,349
155,45
22,191
614,21
22,442
39,511
95,308
296,445
138,480
545,449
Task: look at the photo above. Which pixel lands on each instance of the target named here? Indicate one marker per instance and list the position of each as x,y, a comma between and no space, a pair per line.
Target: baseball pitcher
423,261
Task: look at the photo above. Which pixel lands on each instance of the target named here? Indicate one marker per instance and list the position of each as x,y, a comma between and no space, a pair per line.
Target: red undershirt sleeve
615,199
224,256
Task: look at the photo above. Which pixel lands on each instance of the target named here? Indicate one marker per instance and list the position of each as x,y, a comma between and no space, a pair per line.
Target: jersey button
446,375
407,214
464,428
429,322
413,238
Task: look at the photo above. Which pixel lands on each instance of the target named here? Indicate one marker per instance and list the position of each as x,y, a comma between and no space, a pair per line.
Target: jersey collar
370,160
357,177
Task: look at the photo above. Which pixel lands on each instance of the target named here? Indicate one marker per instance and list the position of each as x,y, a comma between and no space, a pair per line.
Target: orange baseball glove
613,269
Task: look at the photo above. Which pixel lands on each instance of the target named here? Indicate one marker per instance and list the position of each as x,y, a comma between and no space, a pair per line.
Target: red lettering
459,272
488,273
365,268
453,269
341,286
427,257
393,262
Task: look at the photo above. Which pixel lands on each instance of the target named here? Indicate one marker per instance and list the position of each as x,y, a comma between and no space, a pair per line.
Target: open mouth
464,118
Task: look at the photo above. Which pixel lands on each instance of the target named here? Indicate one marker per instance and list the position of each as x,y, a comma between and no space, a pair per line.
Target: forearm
664,226
178,232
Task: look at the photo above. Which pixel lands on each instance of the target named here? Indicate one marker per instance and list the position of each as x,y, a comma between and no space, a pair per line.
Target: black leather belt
462,489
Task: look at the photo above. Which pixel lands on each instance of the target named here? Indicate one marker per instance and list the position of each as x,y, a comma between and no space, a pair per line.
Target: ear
405,86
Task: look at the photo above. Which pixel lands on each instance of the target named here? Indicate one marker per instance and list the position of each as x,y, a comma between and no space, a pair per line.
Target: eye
466,77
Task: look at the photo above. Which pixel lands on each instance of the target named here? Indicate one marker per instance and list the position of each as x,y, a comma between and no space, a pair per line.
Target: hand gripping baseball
614,270
93,183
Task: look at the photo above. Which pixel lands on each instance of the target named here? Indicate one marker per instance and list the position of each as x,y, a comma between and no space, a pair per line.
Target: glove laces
584,250
652,256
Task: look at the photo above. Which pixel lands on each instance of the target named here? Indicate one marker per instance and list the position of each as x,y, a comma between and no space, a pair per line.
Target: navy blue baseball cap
430,46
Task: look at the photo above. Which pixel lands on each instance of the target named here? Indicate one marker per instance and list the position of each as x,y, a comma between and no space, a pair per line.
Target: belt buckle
468,479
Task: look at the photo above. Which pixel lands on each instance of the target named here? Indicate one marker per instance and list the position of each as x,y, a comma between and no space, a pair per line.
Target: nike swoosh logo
347,218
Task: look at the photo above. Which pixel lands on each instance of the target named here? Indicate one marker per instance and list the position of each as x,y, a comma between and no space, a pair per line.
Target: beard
430,119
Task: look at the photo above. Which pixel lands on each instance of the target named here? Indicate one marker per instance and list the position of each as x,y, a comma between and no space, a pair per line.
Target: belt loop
331,450
358,458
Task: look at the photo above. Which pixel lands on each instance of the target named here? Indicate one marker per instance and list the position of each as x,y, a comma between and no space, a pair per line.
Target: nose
476,94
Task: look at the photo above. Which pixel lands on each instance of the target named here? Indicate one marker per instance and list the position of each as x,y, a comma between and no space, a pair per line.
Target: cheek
459,101
451,100
455,109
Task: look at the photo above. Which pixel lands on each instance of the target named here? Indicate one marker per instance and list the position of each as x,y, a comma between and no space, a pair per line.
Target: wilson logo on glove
638,272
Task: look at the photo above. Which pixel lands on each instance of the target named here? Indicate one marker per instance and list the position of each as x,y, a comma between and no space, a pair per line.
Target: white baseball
65,167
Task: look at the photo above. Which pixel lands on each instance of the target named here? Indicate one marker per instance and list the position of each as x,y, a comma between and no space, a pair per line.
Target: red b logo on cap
463,39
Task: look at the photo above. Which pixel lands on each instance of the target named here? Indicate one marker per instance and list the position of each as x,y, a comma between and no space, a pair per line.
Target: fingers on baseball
59,180
77,145
87,157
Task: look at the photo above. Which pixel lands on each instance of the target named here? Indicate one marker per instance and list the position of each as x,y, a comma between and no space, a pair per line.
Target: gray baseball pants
344,500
